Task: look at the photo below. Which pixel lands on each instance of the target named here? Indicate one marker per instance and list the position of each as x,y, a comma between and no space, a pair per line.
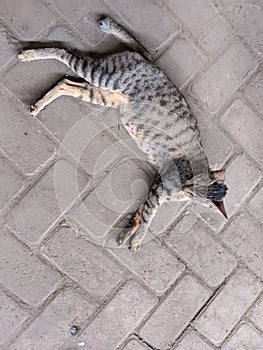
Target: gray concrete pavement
68,178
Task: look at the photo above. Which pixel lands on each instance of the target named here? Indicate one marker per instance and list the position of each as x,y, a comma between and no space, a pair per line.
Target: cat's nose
221,207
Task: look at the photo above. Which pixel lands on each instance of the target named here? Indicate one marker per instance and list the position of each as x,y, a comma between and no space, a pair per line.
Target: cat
154,113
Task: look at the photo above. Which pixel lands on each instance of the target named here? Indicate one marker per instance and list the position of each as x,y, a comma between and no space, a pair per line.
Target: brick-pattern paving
69,176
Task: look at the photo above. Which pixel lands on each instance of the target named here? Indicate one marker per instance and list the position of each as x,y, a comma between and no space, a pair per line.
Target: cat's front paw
129,231
134,247
33,111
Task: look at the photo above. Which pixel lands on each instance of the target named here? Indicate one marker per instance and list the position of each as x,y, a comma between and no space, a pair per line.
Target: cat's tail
110,27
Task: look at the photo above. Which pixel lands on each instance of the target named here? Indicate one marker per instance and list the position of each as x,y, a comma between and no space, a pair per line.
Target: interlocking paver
256,205
154,264
211,50
199,17
248,244
23,273
31,80
10,181
63,36
120,192
216,146
246,18
256,313
241,176
254,92
33,215
180,61
83,262
148,21
11,316
52,327
246,337
174,314
166,214
205,255
191,341
84,20
225,75
24,140
228,306
245,128
119,317
135,345
7,47
28,19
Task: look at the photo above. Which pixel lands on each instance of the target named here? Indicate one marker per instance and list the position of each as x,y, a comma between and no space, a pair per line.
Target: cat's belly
155,150
158,145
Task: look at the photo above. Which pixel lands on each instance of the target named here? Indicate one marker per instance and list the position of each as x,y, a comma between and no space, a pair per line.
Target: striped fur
156,116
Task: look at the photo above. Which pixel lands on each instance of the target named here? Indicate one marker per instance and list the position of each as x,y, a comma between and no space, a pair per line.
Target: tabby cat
154,113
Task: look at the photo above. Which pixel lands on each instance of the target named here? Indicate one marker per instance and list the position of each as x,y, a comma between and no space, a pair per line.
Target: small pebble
74,330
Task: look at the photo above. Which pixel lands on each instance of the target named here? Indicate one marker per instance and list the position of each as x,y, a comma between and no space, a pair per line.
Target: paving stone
191,341
180,61
84,262
256,313
240,177
69,115
28,19
84,16
255,205
228,306
29,81
22,138
83,134
254,92
245,17
199,17
11,316
119,317
7,47
91,145
244,236
147,24
39,208
135,345
153,263
225,76
52,326
23,273
246,337
245,127
65,37
120,192
175,313
216,146
166,215
10,181
205,255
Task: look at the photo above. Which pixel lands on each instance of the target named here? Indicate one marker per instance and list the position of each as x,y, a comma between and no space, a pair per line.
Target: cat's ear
221,207
217,175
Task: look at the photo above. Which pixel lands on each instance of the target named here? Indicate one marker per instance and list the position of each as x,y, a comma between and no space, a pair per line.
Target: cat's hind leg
85,91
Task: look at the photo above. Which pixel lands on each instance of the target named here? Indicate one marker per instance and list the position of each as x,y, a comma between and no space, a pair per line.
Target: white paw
27,55
33,111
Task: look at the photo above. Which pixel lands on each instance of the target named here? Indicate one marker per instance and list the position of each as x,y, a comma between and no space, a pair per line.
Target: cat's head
217,189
